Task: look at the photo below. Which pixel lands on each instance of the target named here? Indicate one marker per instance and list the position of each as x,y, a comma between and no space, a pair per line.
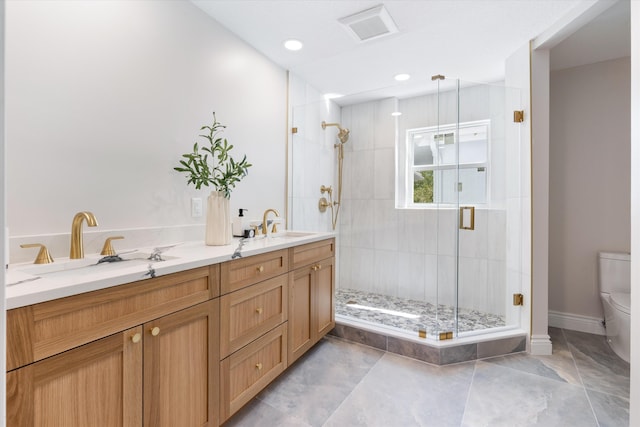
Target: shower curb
426,352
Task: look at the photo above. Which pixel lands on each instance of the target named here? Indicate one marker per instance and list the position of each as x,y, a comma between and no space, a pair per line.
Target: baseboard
576,322
541,345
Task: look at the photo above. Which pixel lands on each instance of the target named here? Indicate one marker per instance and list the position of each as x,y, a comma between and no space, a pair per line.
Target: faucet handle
107,249
43,257
274,226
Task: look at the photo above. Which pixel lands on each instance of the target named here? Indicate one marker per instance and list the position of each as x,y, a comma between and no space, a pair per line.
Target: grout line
584,389
466,402
353,389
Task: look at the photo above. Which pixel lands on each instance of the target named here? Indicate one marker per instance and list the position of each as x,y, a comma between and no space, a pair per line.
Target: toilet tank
614,272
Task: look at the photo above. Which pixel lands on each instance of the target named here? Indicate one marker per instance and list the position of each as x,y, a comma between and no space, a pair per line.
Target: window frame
411,169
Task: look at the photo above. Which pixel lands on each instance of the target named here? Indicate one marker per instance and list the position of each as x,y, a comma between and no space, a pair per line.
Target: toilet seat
621,301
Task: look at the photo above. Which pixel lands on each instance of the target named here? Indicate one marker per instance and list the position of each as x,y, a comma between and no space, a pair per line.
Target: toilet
614,280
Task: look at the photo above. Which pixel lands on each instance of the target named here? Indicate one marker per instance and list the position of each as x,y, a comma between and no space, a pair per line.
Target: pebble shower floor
411,315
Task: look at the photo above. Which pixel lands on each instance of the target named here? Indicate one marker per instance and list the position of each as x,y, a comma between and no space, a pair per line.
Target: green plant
423,188
211,164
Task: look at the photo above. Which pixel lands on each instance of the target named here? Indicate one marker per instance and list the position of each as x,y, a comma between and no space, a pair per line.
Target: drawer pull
136,338
259,310
259,366
155,331
260,269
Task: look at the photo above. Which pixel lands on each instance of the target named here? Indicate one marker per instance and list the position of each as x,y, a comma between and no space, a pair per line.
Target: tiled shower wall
312,155
410,253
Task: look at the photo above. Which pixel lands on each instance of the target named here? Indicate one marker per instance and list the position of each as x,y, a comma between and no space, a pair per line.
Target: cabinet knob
136,338
259,310
259,366
260,269
319,267
155,331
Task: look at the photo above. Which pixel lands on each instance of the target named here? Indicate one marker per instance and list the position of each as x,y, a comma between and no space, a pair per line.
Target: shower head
343,134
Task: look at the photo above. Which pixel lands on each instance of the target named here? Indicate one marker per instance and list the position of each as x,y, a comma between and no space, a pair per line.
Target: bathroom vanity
186,348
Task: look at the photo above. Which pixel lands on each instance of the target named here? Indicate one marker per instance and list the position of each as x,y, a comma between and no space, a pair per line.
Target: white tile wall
411,275
411,253
385,269
384,174
362,271
411,231
385,229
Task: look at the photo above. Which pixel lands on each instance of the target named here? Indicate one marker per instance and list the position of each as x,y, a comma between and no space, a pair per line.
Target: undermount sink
88,266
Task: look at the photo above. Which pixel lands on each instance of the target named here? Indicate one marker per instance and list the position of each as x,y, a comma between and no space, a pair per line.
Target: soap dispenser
239,224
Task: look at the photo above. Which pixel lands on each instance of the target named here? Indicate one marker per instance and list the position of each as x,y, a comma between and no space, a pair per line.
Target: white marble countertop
28,284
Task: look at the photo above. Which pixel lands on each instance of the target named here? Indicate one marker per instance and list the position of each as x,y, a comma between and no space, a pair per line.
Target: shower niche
432,212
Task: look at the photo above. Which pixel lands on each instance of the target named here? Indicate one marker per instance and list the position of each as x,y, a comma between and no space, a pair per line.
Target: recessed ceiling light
396,113
293,44
332,95
402,77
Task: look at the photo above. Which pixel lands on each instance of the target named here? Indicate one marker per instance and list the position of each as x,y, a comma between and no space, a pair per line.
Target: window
431,154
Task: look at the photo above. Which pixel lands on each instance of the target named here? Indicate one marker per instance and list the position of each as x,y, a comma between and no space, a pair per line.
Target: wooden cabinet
185,349
42,330
180,369
243,272
253,337
162,372
97,384
249,370
251,312
311,296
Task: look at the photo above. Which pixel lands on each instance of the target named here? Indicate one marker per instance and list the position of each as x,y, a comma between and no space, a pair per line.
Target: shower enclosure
432,214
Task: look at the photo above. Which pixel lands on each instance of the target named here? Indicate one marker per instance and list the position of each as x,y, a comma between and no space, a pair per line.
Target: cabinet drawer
243,272
250,312
42,330
306,254
246,372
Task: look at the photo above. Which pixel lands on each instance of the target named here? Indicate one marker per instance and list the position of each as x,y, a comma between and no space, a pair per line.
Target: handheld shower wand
343,136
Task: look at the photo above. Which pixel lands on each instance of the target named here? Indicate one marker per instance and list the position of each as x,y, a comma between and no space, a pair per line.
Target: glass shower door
445,145
488,182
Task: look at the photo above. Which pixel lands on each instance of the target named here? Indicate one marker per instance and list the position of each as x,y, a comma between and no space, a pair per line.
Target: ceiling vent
370,24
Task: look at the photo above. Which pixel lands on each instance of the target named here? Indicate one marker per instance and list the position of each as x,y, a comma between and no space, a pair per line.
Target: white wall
102,99
634,400
589,199
3,254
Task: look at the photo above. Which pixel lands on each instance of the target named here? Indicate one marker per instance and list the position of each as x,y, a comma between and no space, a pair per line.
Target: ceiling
468,39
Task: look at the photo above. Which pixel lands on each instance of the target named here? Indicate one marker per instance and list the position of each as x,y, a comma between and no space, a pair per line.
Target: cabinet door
324,315
180,368
301,298
97,384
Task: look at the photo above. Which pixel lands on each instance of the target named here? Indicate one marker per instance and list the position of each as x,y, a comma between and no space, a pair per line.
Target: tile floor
339,383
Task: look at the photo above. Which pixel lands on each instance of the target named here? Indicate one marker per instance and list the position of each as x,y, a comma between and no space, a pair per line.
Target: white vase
218,220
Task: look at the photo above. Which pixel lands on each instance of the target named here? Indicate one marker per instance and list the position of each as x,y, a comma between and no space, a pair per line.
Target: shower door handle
467,217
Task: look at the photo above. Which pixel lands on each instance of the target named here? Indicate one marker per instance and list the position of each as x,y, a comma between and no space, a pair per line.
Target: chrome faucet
77,247
265,225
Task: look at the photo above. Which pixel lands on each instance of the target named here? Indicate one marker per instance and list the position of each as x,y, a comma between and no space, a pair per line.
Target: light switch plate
196,207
